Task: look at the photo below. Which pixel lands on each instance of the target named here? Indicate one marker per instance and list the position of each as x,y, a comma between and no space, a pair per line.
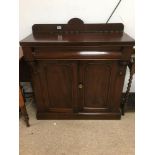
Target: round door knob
80,86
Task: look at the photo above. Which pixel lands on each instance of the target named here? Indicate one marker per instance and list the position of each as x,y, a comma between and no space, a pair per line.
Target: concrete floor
77,137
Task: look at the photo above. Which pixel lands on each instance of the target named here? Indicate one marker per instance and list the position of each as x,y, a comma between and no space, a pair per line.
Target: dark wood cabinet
78,69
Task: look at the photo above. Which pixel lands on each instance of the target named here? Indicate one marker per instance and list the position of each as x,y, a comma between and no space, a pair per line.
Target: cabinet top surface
77,33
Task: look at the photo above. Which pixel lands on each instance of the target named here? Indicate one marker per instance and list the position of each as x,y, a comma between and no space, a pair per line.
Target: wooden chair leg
23,108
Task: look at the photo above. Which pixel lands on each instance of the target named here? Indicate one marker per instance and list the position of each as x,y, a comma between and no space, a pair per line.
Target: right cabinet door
98,81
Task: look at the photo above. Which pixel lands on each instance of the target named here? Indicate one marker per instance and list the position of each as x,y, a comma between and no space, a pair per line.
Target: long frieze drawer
84,54
78,48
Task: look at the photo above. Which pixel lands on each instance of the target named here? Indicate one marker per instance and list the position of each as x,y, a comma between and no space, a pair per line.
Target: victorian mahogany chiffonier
78,69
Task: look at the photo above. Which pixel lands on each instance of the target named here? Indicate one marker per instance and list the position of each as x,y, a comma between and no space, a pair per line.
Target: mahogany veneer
78,69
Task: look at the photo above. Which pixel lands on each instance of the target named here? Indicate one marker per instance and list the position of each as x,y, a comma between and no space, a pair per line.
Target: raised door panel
98,80
58,80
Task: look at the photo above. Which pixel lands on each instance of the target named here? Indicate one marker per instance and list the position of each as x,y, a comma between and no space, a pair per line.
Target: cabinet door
96,85
58,80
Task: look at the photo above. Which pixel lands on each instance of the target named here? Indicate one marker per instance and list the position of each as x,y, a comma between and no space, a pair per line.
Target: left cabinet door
58,85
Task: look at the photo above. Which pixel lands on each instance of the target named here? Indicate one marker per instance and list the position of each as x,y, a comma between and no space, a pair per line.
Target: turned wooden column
131,66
